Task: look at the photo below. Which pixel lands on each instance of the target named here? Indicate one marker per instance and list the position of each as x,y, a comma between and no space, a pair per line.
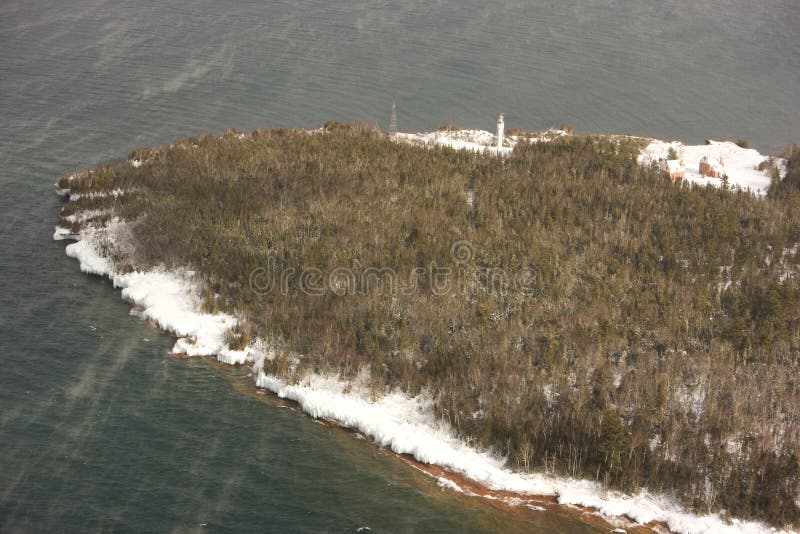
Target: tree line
657,345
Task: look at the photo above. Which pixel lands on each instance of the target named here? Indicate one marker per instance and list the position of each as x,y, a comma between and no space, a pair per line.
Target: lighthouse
393,120
500,128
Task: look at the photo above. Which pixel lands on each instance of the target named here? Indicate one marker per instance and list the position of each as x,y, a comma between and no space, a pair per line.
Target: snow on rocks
61,233
169,299
254,353
407,425
94,194
91,262
82,217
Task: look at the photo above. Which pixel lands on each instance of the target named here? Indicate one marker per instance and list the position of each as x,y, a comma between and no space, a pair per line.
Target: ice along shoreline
405,425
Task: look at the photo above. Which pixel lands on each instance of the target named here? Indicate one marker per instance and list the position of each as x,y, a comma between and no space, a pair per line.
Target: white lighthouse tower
393,120
500,128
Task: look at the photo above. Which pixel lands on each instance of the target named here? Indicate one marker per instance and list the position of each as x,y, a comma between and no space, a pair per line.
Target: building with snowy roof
712,167
673,169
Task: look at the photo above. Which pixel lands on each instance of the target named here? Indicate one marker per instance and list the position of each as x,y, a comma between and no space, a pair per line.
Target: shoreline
508,501
169,300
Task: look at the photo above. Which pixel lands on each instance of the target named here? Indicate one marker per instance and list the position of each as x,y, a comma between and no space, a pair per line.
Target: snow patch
61,233
90,261
477,140
170,299
472,140
448,484
95,194
255,352
740,164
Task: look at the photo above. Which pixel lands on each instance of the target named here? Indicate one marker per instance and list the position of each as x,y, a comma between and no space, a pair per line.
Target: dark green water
100,428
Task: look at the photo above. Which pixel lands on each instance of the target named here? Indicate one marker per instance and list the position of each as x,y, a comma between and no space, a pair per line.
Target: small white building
674,169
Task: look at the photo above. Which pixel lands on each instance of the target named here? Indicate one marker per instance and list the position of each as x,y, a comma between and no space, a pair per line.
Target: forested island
566,307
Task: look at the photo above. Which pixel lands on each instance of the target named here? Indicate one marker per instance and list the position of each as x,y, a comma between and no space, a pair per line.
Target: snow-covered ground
741,164
407,425
474,140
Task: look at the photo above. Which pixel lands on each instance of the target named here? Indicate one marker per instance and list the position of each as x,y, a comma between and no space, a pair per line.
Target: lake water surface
100,428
